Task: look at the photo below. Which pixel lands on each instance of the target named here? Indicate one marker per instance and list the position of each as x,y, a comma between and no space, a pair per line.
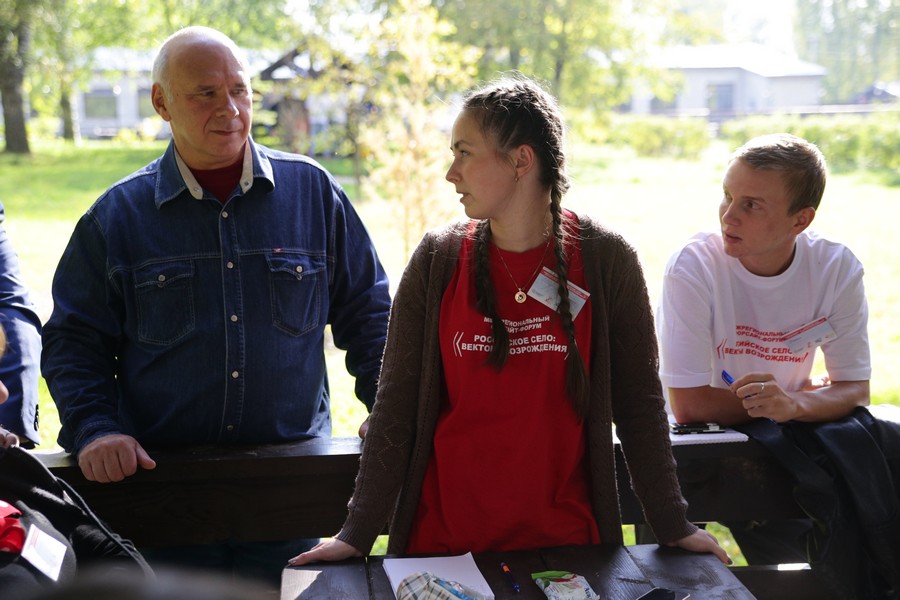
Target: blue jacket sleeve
360,298
19,366
79,341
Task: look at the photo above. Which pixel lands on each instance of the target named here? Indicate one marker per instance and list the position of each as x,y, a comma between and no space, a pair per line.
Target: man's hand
113,458
761,396
329,550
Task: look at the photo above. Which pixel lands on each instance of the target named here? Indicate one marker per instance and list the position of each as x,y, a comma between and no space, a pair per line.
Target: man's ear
158,97
803,218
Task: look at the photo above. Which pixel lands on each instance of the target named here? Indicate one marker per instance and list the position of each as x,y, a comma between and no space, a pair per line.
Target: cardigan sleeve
398,444
636,393
391,435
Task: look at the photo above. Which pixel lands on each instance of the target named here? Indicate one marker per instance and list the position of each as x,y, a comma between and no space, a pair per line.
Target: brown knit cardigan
625,390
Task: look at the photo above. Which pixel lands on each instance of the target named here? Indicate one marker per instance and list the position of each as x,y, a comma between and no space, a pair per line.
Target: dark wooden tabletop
614,573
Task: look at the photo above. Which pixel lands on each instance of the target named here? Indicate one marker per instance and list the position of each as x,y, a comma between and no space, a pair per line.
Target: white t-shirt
715,315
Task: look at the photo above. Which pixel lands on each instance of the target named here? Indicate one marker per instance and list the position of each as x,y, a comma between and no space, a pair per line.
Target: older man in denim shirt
192,299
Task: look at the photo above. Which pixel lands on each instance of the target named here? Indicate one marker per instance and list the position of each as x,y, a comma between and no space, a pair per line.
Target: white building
724,81
117,95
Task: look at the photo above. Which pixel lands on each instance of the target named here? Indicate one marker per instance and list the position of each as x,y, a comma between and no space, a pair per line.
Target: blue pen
728,379
510,577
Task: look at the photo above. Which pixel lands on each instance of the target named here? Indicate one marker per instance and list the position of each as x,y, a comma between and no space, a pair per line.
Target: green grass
655,203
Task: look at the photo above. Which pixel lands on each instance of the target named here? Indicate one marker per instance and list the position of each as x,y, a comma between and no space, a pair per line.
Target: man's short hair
801,162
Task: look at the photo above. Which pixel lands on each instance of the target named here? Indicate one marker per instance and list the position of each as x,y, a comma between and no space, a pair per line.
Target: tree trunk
70,126
14,115
12,74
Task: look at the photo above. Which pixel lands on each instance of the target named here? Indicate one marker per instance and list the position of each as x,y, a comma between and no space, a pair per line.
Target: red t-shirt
508,470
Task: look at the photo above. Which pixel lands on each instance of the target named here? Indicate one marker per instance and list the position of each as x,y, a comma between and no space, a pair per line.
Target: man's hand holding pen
761,396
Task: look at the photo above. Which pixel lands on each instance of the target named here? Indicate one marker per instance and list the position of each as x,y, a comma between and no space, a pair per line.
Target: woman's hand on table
702,541
330,550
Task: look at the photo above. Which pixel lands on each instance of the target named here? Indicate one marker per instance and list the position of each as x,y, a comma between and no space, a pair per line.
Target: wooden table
614,572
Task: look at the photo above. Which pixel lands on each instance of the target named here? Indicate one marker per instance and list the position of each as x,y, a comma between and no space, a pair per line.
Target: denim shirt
180,321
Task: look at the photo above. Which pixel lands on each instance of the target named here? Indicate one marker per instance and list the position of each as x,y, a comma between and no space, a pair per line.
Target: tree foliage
587,51
858,41
66,32
690,22
406,134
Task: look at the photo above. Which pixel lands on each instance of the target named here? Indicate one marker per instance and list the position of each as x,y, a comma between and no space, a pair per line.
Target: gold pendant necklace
520,295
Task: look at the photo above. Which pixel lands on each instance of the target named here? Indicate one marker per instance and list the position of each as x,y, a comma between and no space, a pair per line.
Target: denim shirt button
234,318
299,268
224,214
229,264
235,374
161,278
229,427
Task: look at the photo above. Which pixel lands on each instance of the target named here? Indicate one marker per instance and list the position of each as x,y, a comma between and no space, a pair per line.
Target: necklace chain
521,296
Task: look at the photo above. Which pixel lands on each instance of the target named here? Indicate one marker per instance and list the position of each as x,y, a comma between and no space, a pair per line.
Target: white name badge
811,335
545,290
44,551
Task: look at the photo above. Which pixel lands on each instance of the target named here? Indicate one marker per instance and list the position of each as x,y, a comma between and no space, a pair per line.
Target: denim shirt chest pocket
297,286
165,301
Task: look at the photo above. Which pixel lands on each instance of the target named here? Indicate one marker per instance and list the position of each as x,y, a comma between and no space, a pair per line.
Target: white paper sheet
461,569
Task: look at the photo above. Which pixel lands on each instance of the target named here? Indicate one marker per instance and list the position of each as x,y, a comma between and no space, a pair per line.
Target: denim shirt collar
175,176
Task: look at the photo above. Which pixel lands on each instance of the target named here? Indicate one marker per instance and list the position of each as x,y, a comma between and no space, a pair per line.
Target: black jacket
56,509
848,483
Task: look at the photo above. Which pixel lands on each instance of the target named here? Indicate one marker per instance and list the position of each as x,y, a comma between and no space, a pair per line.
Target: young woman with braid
492,428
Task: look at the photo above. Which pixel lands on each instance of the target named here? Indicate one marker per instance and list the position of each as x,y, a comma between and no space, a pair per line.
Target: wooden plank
677,569
608,568
774,583
319,581
733,481
379,584
205,495
270,492
521,564
614,572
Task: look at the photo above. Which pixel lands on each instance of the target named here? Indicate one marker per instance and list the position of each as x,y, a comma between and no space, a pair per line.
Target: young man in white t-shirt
758,298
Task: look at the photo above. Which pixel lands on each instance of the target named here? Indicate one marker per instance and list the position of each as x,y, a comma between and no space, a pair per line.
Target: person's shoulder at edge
120,191
822,248
448,231
589,227
281,156
702,247
444,238
601,239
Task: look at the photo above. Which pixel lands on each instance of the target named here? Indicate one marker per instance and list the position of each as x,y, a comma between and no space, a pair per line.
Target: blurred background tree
15,53
858,42
405,137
